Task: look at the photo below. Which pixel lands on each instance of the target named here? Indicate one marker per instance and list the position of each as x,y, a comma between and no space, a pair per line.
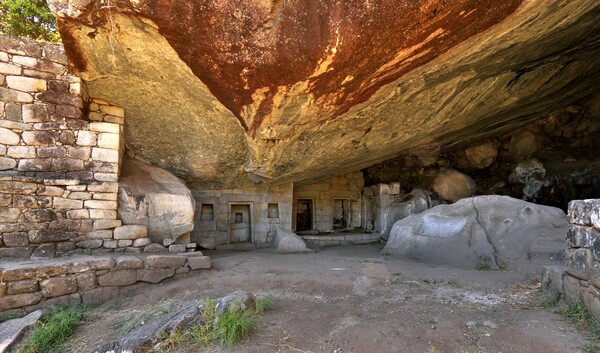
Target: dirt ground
351,299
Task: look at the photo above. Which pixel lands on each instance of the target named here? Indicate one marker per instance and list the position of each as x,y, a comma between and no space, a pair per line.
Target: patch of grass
484,266
578,315
551,299
226,328
130,294
432,349
127,324
55,328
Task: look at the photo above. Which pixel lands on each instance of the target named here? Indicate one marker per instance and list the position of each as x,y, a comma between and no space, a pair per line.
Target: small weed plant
484,266
577,314
54,329
226,328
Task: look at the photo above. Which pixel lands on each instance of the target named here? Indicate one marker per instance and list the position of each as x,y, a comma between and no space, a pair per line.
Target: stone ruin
135,140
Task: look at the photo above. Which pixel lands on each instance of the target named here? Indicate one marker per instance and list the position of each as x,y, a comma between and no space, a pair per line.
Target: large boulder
287,242
153,197
453,185
499,231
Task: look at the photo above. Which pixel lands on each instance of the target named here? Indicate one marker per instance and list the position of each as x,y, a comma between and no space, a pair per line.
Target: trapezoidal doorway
240,223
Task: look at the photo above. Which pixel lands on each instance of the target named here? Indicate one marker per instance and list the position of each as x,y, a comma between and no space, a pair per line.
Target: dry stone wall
582,276
60,156
31,285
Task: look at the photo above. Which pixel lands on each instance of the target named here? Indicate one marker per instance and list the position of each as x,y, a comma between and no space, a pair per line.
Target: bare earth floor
351,299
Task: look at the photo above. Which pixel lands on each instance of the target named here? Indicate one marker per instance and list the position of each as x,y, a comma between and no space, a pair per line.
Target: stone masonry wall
31,285
60,155
323,194
582,276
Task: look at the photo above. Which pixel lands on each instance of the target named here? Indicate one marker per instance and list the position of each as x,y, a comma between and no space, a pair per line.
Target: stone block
65,224
17,187
130,232
114,119
59,98
99,234
105,196
17,252
30,201
90,244
50,190
68,111
199,262
9,215
118,278
104,187
57,286
34,165
99,204
36,113
40,215
5,200
108,140
580,211
19,300
39,138
579,262
155,275
21,152
7,163
177,248
49,236
124,243
13,112
105,127
26,84
86,138
129,263
83,153
591,300
154,248
107,224
98,295
44,251
52,152
182,270
113,110
595,218
110,244
25,286
102,167
15,239
78,214
141,242
7,137
165,261
10,95
9,69
86,281
65,246
103,214
572,287
63,203
66,137
24,60
105,155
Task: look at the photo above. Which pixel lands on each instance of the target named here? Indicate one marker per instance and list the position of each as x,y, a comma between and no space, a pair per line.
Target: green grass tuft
551,299
484,266
263,304
55,328
577,314
232,326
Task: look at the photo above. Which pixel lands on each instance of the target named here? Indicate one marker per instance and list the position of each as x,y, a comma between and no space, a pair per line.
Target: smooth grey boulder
497,230
153,197
287,242
12,331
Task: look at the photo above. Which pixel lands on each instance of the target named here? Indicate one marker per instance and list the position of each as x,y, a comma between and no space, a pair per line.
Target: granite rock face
496,230
276,91
152,197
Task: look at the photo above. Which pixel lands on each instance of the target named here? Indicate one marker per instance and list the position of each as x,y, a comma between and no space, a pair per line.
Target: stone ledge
32,284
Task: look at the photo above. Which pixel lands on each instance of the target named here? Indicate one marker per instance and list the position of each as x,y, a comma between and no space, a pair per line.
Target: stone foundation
90,279
581,279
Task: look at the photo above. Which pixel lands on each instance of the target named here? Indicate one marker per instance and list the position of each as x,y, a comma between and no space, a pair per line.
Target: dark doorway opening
303,215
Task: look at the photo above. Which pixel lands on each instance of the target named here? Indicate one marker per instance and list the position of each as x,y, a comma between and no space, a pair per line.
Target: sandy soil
351,299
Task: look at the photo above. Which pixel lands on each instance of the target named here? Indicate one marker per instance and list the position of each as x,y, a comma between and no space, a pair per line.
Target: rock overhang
230,93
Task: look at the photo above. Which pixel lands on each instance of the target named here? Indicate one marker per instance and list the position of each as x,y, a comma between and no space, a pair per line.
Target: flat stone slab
12,331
